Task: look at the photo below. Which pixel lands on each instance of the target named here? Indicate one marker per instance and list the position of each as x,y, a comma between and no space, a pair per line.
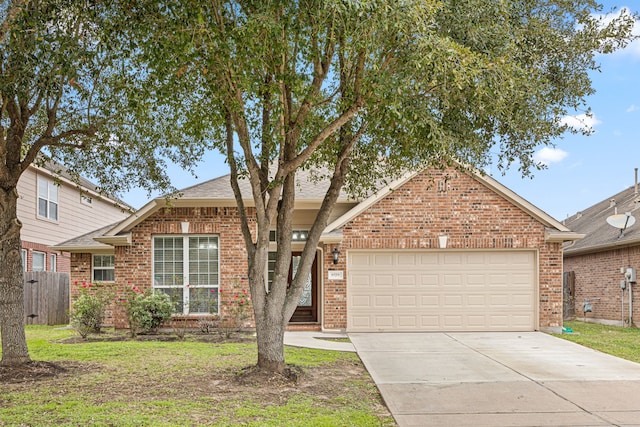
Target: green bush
147,311
89,308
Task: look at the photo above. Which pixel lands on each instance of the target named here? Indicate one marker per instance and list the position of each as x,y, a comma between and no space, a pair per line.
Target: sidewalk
319,340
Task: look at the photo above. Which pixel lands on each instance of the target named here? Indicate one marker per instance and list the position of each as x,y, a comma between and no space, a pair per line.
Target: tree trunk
12,321
270,339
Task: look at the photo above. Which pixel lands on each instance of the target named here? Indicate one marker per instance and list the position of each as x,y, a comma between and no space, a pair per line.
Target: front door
307,310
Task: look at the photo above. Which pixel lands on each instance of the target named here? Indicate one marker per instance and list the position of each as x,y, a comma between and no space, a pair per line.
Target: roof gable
556,230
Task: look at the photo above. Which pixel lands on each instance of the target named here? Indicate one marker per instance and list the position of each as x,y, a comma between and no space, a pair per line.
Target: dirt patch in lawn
38,371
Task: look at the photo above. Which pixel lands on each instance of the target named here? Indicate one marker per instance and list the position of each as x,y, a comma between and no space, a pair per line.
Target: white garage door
441,291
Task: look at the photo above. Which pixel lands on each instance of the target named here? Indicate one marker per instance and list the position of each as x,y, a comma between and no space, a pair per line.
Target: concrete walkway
320,340
499,379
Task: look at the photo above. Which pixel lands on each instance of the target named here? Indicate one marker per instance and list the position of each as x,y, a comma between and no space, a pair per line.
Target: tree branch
12,14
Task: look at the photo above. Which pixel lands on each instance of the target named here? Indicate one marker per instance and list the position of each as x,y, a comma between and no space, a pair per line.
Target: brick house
432,251
594,266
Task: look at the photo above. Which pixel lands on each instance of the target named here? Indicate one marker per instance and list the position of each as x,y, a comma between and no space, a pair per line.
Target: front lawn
184,383
621,342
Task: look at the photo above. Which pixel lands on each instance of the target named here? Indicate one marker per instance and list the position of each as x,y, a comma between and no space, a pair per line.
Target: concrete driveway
499,379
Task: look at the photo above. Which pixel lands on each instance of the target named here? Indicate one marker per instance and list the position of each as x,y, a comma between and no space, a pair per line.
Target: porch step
303,327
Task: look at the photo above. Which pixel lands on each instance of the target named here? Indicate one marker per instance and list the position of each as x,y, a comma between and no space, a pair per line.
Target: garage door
441,291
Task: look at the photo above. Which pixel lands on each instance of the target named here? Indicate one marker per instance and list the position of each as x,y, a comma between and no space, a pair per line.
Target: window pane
53,262
103,275
43,187
53,193
167,256
42,207
176,296
203,300
23,254
38,261
53,210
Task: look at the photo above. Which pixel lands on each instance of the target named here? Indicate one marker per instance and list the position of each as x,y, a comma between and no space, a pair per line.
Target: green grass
614,340
185,383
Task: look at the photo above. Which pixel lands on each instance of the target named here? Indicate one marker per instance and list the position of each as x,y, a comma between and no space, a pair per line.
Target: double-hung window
47,199
103,268
53,262
187,268
38,260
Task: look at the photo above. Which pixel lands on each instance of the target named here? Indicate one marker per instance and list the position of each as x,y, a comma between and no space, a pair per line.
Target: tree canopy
366,89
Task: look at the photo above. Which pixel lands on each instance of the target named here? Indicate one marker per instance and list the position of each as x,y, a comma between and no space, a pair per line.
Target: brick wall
454,204
63,259
412,217
598,280
133,264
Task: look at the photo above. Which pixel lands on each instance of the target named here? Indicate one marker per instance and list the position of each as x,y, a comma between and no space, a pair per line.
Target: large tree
363,90
64,95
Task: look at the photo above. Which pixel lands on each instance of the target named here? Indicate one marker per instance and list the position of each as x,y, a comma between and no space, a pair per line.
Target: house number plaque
336,275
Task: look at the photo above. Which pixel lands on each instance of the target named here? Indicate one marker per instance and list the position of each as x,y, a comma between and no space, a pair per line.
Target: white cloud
632,108
581,122
547,155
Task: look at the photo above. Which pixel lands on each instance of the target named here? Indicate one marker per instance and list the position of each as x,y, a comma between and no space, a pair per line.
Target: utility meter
630,275
623,284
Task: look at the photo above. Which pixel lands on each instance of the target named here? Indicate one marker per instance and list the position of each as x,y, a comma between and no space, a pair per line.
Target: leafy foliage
89,308
360,92
146,311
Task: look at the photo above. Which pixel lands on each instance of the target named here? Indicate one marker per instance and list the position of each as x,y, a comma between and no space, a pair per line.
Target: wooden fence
569,294
46,298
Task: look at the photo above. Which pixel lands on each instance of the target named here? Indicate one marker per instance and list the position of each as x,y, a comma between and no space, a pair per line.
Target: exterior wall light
335,252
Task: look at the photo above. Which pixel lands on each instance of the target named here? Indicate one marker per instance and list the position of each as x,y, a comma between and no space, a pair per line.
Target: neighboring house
433,251
53,208
593,265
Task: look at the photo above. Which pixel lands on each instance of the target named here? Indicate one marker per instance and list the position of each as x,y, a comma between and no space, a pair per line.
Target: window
103,268
296,235
47,199
53,262
38,261
23,254
187,269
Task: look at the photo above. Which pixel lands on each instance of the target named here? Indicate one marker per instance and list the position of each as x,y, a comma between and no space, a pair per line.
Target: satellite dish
621,221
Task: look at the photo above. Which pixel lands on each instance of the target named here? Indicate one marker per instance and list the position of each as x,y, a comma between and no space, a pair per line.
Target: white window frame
184,277
33,261
50,199
23,254
95,268
53,262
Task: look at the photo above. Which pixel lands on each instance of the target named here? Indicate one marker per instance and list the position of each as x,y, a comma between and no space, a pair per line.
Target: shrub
238,309
147,311
89,308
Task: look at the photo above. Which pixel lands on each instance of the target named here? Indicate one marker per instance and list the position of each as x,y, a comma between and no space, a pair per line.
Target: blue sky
582,170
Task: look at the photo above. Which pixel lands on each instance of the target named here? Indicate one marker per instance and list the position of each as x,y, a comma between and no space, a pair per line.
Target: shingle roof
311,184
87,240
593,223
